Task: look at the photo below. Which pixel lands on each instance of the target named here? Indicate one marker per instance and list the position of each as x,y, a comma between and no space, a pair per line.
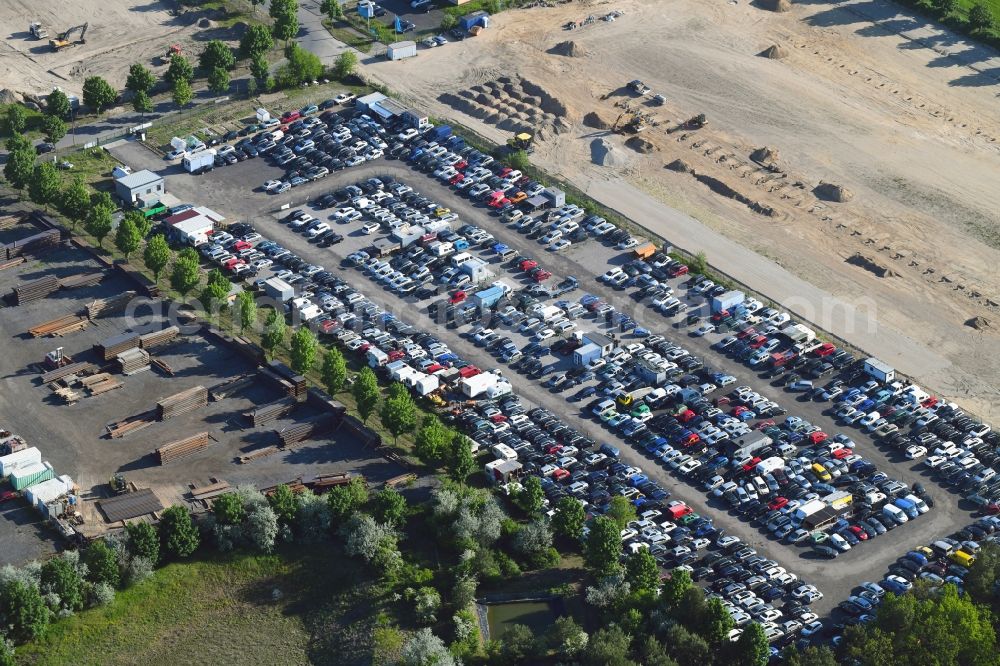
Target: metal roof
130,505
881,366
139,179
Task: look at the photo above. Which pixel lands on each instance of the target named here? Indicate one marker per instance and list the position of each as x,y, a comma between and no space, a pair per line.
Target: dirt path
901,128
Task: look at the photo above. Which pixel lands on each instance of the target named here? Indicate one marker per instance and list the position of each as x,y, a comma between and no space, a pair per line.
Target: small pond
536,615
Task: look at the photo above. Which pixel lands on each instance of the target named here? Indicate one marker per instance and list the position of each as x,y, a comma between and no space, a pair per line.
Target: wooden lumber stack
110,348
182,448
301,432
35,289
58,326
321,484
80,368
34,245
297,381
278,382
9,221
87,382
81,280
109,384
211,491
257,454
16,261
271,412
295,485
68,395
231,386
182,402
133,361
400,480
150,340
162,365
130,425
108,306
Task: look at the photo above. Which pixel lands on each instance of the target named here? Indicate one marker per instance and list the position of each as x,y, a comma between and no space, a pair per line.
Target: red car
289,116
541,276
553,448
504,171
750,465
840,454
560,474
858,532
460,165
758,342
817,437
764,424
825,349
457,297
457,178
746,333
7,495
686,415
677,271
777,503
739,409
528,264
498,202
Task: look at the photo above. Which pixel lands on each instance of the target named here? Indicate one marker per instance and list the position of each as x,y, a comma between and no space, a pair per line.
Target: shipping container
401,50
587,354
487,298
278,289
42,493
645,250
199,160
17,459
29,475
728,300
879,370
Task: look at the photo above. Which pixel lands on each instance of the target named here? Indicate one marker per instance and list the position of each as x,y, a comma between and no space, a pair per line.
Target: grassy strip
348,34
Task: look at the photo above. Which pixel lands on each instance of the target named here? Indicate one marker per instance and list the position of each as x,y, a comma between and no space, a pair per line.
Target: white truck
203,159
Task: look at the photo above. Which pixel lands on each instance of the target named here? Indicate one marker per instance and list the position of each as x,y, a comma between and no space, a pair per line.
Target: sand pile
871,265
775,52
640,145
764,155
595,121
979,323
776,5
568,49
512,104
205,23
831,192
680,166
603,153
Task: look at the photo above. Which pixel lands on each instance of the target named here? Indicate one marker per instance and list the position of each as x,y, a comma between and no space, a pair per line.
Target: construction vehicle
119,484
37,31
56,359
63,39
638,87
697,122
172,50
521,141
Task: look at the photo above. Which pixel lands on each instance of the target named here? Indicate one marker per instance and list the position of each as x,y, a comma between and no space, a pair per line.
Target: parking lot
231,194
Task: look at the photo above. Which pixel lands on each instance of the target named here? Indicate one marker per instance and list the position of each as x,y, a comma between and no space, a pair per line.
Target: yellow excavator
521,141
63,40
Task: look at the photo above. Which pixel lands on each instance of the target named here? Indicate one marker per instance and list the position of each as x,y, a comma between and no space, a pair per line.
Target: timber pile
271,412
321,484
129,425
36,244
133,361
87,382
81,280
55,326
301,432
257,454
210,491
297,381
182,448
81,368
162,365
295,485
159,337
71,327
9,221
68,395
182,402
109,348
16,261
107,306
400,480
109,384
230,386
278,382
35,290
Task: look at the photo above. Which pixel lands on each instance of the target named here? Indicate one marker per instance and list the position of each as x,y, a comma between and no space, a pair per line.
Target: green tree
699,264
59,576
259,67
304,350
432,441
494,6
98,93
185,275
7,656
127,238
178,534
642,572
604,546
609,646
334,371
74,200
274,332
256,41
98,223
218,81
102,198
216,291
45,184
461,462
687,647
674,587
57,104
182,93
284,504
143,541
448,22
389,506
228,509
332,9
366,393
717,622
945,7
984,573
517,646
140,79
752,647
141,102
399,413
246,308
19,167
621,511
23,611
566,638
814,655
102,564
157,254
652,653
531,496
286,19
53,128
344,500
345,64
302,66
216,54
981,17
519,160
16,120
569,519
180,69
255,3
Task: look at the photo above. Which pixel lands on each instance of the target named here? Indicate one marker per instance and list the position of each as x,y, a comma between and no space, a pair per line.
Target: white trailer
879,370
199,160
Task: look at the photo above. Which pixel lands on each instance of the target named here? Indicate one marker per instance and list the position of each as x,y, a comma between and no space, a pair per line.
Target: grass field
223,610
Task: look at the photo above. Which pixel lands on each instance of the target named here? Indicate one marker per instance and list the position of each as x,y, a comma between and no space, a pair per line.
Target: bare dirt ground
119,33
913,137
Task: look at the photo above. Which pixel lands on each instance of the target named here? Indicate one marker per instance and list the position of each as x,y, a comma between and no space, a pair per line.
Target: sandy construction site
119,33
905,140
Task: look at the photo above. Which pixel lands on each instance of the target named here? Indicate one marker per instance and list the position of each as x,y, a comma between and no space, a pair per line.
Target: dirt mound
831,192
775,5
765,155
979,323
595,121
8,96
603,153
871,265
640,145
680,166
568,49
206,23
775,52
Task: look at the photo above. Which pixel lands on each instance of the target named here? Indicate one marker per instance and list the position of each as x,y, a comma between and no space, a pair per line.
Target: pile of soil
979,323
775,52
764,155
775,5
680,166
640,145
568,49
205,23
831,192
871,265
595,121
603,153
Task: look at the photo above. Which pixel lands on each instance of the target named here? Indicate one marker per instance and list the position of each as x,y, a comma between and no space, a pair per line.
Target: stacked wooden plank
278,382
302,431
16,261
321,484
108,306
231,386
130,425
401,480
80,368
109,384
58,326
257,454
271,412
9,221
295,485
35,289
162,365
297,381
110,348
211,491
133,361
87,382
68,395
150,340
81,280
182,448
182,402
34,245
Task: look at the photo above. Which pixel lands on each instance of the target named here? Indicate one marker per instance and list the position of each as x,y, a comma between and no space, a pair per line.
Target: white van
503,452
919,503
894,513
769,465
602,407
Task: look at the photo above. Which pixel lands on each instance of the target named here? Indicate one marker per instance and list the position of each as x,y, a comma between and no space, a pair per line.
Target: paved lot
229,194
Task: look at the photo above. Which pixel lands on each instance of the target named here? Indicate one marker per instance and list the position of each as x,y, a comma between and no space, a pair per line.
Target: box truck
278,289
727,301
203,159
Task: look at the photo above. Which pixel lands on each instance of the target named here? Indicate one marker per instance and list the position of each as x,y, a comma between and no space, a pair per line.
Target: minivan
894,513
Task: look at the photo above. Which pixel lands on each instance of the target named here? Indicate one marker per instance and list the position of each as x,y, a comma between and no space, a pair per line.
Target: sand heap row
515,105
